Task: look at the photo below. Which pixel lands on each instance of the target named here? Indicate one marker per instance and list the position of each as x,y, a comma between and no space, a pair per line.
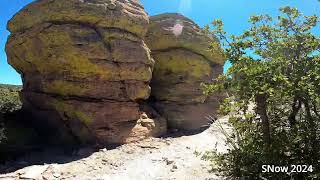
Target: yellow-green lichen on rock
127,16
53,51
84,65
65,88
70,111
169,31
138,91
177,76
182,62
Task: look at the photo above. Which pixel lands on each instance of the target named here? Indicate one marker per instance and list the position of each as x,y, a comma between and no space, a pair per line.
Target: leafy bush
9,102
275,85
9,98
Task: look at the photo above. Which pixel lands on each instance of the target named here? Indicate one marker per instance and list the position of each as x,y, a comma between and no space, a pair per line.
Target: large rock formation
85,68
183,61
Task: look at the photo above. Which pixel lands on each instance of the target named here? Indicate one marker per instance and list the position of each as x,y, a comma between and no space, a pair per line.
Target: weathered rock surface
175,31
85,68
183,62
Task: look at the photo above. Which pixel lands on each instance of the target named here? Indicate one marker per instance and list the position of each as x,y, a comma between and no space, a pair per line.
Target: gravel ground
170,158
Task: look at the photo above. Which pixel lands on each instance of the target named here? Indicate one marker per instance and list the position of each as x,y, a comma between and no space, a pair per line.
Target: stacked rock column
183,61
85,69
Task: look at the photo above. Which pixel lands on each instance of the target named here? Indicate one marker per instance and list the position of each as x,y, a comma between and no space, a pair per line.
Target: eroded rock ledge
85,69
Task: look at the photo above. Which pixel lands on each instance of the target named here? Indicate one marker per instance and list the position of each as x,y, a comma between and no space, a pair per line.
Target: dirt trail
152,159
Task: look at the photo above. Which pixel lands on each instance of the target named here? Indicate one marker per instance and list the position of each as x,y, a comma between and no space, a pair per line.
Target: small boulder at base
85,68
182,62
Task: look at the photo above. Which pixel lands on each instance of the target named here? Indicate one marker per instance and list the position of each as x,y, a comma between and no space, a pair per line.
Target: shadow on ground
26,147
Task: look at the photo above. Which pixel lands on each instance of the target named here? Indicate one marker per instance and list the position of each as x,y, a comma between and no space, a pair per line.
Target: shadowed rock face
183,61
85,68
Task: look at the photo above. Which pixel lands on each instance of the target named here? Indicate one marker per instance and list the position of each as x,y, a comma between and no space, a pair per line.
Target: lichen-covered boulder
182,62
85,68
175,31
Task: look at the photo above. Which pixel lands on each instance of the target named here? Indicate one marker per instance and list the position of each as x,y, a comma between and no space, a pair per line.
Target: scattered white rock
56,175
103,150
33,172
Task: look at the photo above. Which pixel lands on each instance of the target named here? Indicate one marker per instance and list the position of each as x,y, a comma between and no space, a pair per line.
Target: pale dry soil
170,158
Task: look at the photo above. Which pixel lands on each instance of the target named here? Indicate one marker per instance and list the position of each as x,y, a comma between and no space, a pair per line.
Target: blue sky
234,13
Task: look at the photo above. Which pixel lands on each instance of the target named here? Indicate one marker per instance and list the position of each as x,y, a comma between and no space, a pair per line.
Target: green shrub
9,98
9,102
275,105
